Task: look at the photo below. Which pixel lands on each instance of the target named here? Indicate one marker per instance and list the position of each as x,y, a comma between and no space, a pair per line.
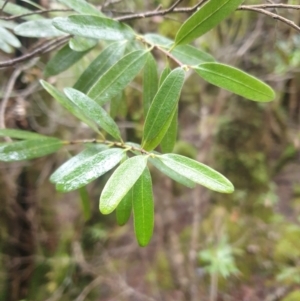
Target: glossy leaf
171,173
236,81
76,161
115,79
162,109
68,104
166,71
157,39
38,29
19,134
85,203
94,27
8,24
81,44
190,55
29,149
121,182
8,38
99,66
89,169
143,208
197,172
206,18
93,111
123,211
62,60
168,142
82,7
150,83
14,9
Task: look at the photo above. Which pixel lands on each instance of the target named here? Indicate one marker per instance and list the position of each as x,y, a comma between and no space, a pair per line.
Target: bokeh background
206,246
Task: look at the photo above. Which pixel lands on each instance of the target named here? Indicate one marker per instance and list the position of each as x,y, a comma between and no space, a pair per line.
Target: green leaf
19,134
93,111
29,149
190,55
89,169
121,182
162,109
143,208
197,172
81,44
150,83
62,60
123,211
115,79
168,142
9,38
82,7
157,39
14,9
85,203
38,29
76,161
206,18
99,66
94,27
236,81
68,104
166,71
171,173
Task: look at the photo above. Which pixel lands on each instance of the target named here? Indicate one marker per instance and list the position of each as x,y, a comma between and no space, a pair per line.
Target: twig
36,12
279,5
163,12
3,6
42,49
272,15
9,88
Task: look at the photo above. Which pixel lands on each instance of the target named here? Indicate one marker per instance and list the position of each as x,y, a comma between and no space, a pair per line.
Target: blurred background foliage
206,246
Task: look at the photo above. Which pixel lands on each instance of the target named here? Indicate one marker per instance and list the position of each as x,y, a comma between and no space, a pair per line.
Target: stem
127,147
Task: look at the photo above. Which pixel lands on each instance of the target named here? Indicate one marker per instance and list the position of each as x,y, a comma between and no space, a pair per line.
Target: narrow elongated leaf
171,173
68,104
14,9
94,27
81,44
123,211
76,161
9,38
29,149
38,29
19,134
162,109
63,60
121,182
206,18
93,111
143,208
236,81
168,142
99,66
157,39
85,203
190,55
8,24
81,6
166,71
150,83
90,169
115,79
197,172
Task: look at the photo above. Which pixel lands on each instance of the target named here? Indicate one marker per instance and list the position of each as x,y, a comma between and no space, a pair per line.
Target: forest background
206,246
